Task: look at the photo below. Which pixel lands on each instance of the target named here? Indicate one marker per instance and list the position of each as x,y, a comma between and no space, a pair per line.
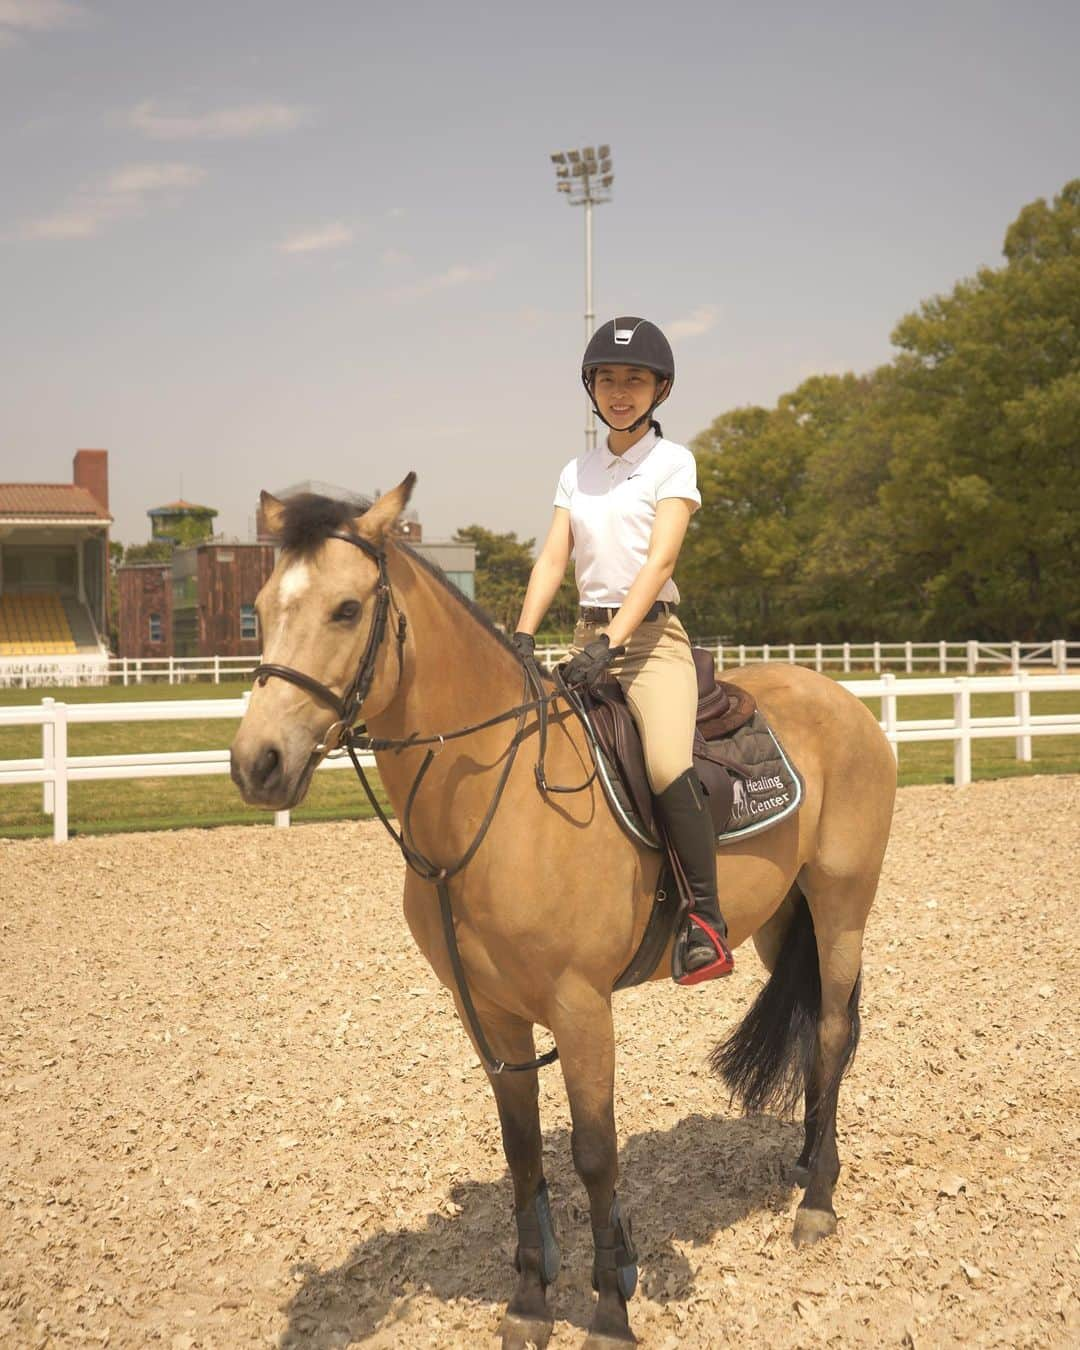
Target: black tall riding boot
689,826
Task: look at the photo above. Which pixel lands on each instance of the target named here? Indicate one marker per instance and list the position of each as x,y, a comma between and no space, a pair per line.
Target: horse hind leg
799,1036
838,929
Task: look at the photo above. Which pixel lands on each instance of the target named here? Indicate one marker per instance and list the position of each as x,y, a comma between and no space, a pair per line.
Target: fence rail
54,769
901,657
898,657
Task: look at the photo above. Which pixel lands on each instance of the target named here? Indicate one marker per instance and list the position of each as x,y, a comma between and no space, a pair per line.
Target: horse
547,898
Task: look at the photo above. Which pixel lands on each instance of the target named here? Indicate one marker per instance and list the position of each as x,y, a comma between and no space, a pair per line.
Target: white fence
55,768
901,657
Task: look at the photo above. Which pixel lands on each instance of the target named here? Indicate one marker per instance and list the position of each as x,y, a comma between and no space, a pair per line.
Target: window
249,623
155,627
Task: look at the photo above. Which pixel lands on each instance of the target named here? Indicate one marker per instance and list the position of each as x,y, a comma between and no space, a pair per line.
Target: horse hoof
524,1333
603,1340
811,1225
799,1175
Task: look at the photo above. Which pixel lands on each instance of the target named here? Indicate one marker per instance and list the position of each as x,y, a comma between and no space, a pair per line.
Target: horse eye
346,611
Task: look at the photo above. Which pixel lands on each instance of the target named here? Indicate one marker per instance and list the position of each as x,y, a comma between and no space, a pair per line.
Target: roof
171,508
48,501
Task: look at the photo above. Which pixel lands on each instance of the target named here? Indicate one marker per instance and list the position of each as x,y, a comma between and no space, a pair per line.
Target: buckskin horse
528,904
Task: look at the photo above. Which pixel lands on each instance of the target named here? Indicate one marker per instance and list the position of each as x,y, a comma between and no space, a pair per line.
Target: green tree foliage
938,495
503,564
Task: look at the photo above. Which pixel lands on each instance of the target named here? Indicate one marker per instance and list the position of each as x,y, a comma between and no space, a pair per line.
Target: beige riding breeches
658,678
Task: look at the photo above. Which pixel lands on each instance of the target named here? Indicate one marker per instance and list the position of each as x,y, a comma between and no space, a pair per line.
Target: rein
348,735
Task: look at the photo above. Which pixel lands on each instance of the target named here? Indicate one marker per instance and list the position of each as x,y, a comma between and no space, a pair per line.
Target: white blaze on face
294,584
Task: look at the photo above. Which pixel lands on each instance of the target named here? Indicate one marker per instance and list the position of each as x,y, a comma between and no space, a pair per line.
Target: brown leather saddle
722,709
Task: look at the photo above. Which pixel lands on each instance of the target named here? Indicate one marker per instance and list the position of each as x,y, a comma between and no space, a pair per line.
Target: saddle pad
767,787
748,780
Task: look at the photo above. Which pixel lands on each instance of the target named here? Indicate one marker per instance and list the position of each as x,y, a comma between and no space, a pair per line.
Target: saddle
722,709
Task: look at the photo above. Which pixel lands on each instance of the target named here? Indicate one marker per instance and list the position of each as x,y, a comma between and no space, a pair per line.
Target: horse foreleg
586,1040
527,1321
840,957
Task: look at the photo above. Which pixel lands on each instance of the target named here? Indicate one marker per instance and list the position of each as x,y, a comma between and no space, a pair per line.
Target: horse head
325,618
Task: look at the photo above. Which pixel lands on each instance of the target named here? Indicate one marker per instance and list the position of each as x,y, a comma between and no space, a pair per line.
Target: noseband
348,705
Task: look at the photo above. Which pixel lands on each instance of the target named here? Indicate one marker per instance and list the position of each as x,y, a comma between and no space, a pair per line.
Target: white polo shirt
612,504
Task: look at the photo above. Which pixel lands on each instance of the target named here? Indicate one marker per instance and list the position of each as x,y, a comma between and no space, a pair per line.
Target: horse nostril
267,764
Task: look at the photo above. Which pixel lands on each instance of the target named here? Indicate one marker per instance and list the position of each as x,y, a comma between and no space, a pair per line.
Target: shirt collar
634,455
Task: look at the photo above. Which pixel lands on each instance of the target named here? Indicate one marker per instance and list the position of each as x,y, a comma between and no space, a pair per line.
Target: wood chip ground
236,1108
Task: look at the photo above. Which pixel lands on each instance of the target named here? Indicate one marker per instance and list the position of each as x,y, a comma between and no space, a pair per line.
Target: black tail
767,1059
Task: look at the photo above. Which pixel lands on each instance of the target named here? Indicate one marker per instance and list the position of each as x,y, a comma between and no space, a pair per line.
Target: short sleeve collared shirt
612,503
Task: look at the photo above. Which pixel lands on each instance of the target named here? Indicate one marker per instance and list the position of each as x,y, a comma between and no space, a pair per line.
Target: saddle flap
619,739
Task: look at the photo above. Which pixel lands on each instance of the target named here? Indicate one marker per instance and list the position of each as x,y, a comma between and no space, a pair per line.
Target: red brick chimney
92,473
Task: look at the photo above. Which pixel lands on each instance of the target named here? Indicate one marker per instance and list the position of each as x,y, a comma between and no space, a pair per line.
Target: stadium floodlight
585,177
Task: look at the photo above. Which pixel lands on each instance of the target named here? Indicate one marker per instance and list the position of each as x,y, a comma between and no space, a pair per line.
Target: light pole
585,176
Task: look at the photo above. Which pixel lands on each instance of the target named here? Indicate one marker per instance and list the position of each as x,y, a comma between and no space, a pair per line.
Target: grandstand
54,552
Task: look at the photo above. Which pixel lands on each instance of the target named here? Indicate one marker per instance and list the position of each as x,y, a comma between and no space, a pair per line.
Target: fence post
764,651
1022,709
124,672
888,713
791,652
972,656
138,670
847,658
943,657
742,654
877,658
720,656
60,767
1062,660
281,820
172,668
818,662
962,744
908,667
217,669
48,756
1014,657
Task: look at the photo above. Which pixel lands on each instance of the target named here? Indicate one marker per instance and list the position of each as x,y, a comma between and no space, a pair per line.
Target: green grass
172,803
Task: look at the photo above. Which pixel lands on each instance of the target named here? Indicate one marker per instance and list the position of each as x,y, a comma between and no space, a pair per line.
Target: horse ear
379,519
273,512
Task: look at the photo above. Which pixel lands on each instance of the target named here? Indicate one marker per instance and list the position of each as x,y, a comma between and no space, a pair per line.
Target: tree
503,564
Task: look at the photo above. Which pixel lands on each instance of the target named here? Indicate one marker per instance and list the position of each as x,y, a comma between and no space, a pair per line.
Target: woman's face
624,393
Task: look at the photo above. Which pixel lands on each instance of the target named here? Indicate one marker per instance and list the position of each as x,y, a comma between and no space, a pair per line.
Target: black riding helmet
628,342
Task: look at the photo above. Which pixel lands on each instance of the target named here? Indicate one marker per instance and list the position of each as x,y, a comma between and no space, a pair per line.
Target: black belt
591,614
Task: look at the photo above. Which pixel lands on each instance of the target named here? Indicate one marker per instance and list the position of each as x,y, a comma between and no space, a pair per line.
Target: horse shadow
680,1185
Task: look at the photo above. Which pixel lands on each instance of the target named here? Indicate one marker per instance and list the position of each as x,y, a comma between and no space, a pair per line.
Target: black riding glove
524,645
589,666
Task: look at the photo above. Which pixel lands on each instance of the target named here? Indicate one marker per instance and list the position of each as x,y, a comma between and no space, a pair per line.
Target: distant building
201,602
181,523
54,574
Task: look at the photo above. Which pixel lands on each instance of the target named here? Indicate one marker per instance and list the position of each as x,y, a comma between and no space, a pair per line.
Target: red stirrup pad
723,965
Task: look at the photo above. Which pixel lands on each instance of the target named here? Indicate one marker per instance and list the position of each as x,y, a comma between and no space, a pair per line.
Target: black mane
310,519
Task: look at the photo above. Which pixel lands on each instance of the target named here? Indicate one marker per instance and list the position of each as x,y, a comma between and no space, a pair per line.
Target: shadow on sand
683,1184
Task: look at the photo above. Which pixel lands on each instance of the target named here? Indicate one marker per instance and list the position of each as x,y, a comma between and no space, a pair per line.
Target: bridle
348,735
348,705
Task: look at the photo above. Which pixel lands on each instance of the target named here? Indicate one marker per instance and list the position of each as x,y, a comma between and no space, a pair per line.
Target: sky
251,243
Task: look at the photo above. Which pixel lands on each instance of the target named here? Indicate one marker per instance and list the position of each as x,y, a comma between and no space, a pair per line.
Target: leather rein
351,736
